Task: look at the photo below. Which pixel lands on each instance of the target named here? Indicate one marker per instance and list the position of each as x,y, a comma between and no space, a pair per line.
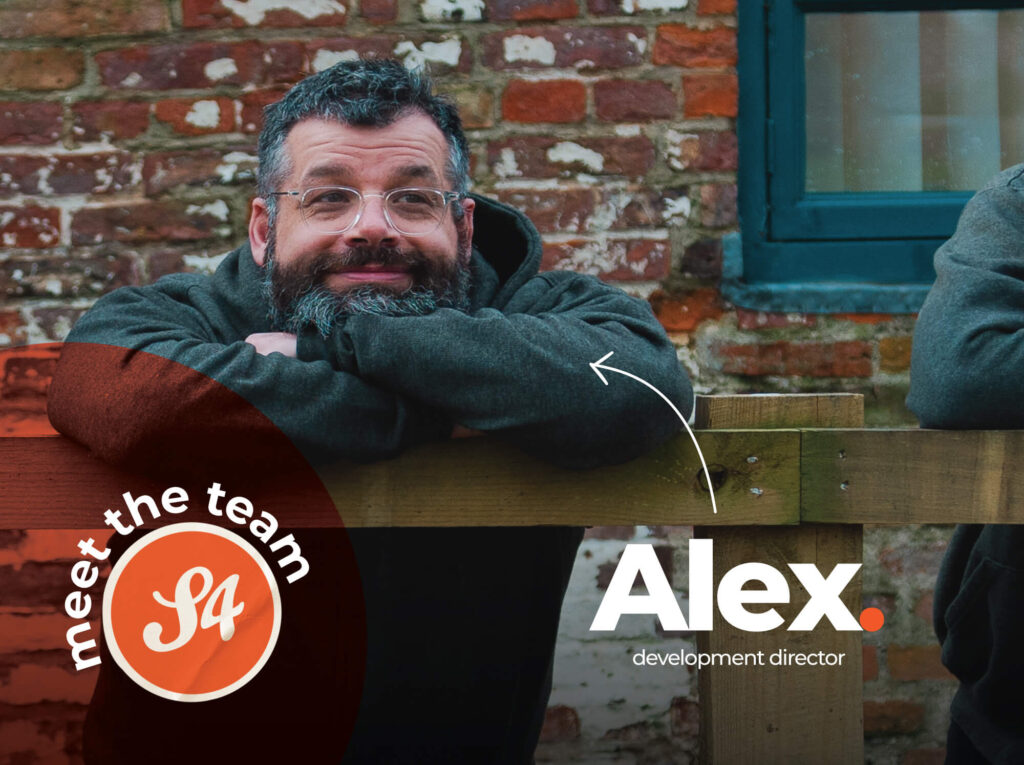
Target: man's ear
259,231
464,227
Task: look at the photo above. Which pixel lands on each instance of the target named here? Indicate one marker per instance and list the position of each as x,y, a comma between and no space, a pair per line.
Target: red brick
921,559
476,106
894,354
709,7
202,65
41,69
885,718
680,45
710,95
585,48
633,101
621,533
923,609
613,260
870,662
55,322
31,227
708,150
604,7
66,277
33,632
12,332
119,120
544,101
211,14
703,259
31,683
199,167
27,373
386,46
919,662
684,718
145,222
747,319
21,173
379,11
685,311
553,210
931,756
844,359
643,208
533,157
197,116
718,205
73,18
89,173
634,733
561,723
531,10
253,105
864,318
29,123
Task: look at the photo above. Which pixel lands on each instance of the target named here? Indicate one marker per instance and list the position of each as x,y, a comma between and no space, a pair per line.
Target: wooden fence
796,477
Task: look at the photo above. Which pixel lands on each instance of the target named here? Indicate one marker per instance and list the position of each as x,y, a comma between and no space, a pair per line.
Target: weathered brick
864,318
166,170
923,609
66,277
748,319
918,662
920,559
681,45
544,101
610,532
702,259
27,374
634,733
31,684
202,65
33,632
379,11
12,330
546,157
253,105
29,123
34,585
531,10
709,7
684,312
869,662
444,53
202,116
41,69
641,208
322,54
843,359
710,95
149,222
928,756
553,210
894,353
684,718
585,48
72,18
65,173
718,204
31,227
634,100
706,150
117,120
55,323
211,14
561,723
885,718
34,741
476,105
613,259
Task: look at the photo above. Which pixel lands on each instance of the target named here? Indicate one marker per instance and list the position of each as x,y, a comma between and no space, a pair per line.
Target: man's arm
967,368
125,386
523,373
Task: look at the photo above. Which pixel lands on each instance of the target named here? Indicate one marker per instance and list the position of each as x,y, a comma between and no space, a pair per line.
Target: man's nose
372,227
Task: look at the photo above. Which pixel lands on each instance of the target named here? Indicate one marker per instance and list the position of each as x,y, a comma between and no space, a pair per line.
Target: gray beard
310,303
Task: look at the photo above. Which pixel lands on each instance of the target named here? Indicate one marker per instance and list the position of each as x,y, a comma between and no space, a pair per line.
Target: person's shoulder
1012,178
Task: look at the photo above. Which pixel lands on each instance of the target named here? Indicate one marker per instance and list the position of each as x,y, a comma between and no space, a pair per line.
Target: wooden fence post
771,714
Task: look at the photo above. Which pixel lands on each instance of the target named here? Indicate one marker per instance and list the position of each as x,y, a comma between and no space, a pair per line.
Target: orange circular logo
191,612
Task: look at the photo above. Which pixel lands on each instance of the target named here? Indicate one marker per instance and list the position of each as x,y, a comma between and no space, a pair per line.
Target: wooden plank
912,476
53,483
777,715
780,410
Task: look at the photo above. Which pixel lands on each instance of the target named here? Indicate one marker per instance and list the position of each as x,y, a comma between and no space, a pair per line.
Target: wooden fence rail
796,478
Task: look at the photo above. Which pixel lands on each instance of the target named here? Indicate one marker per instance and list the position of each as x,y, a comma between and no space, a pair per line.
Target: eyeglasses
336,209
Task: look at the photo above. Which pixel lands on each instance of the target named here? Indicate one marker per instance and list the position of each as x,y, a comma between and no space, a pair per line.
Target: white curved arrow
598,365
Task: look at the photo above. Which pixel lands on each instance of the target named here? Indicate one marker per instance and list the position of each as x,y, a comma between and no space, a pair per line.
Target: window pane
912,101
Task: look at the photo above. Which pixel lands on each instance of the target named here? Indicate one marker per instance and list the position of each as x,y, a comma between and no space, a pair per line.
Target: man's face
371,267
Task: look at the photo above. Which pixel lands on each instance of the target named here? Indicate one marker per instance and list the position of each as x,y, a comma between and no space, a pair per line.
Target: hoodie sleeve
143,374
968,353
524,372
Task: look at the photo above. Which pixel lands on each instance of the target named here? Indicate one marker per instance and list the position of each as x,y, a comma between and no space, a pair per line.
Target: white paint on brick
525,48
633,6
567,152
228,170
131,80
506,165
448,10
674,141
10,239
204,264
325,59
677,210
53,286
627,131
204,114
44,176
254,11
640,43
218,209
5,218
445,52
220,68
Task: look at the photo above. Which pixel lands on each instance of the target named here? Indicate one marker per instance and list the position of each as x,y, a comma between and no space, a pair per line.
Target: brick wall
127,135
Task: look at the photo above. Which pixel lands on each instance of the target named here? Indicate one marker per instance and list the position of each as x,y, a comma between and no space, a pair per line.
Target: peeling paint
506,165
204,114
627,131
254,11
567,152
674,141
447,52
53,286
679,207
220,68
633,6
131,80
218,209
640,43
452,10
525,48
228,170
325,59
6,218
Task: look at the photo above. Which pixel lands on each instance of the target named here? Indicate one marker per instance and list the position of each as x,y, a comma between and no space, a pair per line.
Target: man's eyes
331,197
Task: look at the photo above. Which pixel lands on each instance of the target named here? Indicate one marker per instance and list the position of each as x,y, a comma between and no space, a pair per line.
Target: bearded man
377,306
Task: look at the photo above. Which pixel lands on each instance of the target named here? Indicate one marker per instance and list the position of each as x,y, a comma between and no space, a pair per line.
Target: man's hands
266,343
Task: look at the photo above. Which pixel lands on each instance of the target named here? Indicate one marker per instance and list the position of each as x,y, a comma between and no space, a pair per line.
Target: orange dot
872,619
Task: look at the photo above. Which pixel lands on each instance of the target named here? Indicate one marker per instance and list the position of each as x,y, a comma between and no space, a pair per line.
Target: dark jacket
460,623
968,372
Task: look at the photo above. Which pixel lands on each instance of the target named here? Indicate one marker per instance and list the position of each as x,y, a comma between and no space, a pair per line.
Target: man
966,372
377,306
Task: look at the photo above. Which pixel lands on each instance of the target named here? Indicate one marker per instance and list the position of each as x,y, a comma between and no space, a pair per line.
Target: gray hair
367,93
